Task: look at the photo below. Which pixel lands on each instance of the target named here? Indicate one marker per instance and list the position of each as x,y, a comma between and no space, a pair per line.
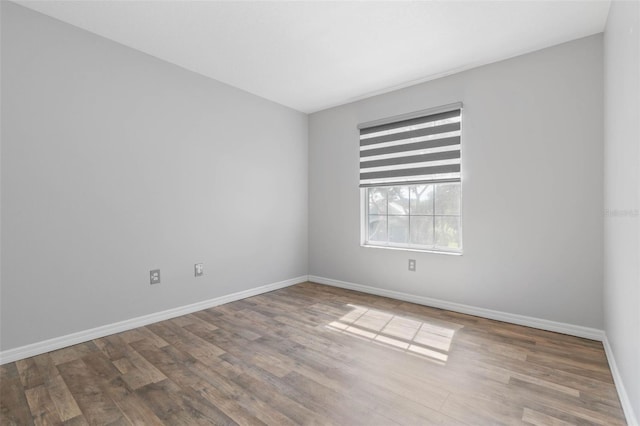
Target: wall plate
412,265
198,269
154,276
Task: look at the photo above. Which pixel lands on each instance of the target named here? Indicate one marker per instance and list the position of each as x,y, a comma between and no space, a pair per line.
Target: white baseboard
632,420
559,327
44,346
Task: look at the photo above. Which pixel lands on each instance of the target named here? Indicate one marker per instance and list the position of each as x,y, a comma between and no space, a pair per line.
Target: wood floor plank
72,353
46,366
76,421
161,399
174,405
316,355
29,372
41,405
14,408
174,363
252,377
568,365
147,371
541,419
141,334
475,410
114,347
62,398
187,341
101,366
134,409
583,409
88,389
586,385
346,410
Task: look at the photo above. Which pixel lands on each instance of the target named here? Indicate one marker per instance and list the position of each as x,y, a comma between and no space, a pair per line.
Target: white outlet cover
198,269
154,276
412,264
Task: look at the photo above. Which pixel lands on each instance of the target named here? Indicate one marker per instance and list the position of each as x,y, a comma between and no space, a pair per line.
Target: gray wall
622,192
115,163
532,189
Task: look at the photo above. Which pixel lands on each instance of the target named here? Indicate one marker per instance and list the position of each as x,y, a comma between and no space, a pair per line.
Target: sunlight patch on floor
422,338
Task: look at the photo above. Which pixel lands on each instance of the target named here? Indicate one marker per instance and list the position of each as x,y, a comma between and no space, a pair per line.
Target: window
423,217
410,181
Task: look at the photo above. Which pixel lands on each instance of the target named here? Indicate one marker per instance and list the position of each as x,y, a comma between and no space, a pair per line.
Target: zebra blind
421,148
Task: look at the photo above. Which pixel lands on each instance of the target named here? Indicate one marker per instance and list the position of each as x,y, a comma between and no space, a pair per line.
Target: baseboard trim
570,329
44,346
625,401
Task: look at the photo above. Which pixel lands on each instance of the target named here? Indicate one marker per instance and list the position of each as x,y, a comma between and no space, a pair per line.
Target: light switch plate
198,269
154,276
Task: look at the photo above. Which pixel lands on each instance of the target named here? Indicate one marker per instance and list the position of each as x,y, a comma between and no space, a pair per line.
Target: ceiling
311,55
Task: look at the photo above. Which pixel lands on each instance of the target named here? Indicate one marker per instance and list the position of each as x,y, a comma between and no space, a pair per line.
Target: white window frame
364,227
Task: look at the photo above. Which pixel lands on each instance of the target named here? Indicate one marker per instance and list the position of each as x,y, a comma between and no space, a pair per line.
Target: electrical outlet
412,265
154,276
198,269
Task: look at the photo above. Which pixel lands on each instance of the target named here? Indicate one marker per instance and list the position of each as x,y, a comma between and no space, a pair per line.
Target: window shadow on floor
422,338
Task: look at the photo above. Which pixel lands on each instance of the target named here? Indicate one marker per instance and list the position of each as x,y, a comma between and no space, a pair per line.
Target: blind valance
420,148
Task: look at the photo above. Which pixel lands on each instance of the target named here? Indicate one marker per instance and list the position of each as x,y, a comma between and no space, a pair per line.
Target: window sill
449,253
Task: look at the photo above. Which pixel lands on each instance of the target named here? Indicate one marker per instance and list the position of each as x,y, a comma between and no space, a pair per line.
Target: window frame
364,224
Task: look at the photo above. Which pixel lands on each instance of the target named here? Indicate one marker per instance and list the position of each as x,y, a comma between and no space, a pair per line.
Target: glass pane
399,200
448,198
398,229
377,228
421,199
448,232
422,230
377,200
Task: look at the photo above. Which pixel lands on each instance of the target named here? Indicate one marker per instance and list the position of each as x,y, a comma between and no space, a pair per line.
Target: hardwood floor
312,354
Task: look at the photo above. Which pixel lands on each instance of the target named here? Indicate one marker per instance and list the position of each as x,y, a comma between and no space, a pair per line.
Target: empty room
320,212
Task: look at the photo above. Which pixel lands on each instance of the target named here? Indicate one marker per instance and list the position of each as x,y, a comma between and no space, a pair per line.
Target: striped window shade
423,147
